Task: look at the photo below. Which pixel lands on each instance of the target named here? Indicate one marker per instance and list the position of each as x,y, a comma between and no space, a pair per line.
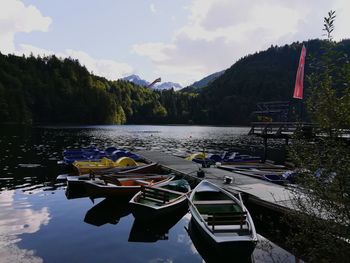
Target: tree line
54,90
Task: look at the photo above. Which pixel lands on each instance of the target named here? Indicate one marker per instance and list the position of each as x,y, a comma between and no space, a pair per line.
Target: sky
178,40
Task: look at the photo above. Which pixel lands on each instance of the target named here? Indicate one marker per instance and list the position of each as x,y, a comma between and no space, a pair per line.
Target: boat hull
213,252
149,213
96,190
237,247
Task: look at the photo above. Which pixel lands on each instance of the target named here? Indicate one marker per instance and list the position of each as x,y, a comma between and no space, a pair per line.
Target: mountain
168,85
158,86
136,80
206,80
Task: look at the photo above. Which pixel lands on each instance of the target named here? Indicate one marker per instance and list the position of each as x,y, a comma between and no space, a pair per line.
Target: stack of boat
225,158
94,154
245,164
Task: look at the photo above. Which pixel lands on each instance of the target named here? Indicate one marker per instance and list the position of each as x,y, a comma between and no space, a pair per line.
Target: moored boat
224,158
154,202
105,163
151,168
123,187
95,154
222,219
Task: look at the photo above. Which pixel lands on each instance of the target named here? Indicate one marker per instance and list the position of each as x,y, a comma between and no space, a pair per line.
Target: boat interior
221,214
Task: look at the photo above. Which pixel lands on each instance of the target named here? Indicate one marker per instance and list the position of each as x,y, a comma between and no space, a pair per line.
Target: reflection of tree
266,251
14,222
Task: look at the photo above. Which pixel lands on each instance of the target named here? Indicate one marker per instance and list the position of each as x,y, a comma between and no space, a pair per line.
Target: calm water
39,224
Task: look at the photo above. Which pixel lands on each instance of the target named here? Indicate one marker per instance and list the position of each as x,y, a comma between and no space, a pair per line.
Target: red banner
299,81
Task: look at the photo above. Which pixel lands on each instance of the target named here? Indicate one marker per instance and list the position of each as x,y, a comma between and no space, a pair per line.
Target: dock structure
260,192
280,130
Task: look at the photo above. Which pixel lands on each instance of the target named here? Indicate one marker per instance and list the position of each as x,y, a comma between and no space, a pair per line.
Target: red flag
299,81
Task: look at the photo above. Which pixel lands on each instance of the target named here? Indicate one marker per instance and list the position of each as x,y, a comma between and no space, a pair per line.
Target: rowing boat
222,218
159,201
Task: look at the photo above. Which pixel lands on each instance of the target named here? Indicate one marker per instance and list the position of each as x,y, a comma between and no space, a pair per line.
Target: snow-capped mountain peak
159,86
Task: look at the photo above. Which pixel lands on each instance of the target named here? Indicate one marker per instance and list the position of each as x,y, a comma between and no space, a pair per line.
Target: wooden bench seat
219,219
153,194
213,202
155,188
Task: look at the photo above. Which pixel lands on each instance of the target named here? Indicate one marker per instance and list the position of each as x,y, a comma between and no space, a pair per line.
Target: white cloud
156,51
16,17
109,69
218,32
153,9
102,67
15,222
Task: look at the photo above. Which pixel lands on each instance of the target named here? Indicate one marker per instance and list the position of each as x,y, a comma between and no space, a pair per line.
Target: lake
39,224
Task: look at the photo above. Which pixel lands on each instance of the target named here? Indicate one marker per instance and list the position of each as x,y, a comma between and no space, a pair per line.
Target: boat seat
144,181
154,194
219,219
213,202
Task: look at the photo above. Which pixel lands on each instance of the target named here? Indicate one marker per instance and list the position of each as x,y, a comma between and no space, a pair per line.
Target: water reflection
17,218
211,253
108,211
154,231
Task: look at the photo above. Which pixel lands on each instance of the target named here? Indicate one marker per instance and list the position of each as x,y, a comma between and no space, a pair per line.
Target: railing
279,128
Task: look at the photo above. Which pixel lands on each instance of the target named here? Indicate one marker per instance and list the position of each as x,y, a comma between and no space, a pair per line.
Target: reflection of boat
222,218
107,211
154,202
156,230
123,187
210,253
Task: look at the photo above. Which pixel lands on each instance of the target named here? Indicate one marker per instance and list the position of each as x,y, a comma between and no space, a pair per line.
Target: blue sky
180,41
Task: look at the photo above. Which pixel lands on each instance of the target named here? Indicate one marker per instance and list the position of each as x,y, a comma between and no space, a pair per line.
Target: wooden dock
258,191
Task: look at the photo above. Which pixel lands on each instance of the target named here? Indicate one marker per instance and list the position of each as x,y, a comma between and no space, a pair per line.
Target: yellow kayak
89,166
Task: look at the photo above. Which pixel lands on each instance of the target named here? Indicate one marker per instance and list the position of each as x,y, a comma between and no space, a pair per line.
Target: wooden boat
123,187
105,163
222,218
154,202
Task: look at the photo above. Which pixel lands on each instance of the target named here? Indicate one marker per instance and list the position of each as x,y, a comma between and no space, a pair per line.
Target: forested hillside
265,76
53,90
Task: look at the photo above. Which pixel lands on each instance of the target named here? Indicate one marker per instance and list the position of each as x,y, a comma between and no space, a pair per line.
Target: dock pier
280,130
257,191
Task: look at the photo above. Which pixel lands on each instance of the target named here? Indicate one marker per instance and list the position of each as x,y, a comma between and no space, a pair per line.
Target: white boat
222,218
160,201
